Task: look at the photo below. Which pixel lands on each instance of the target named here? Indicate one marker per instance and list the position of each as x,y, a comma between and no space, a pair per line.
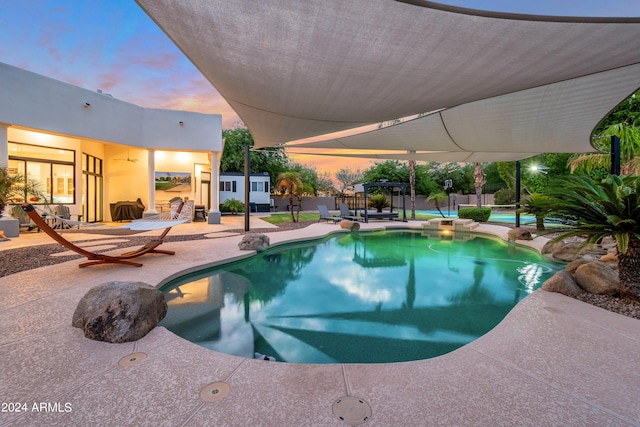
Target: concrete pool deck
553,361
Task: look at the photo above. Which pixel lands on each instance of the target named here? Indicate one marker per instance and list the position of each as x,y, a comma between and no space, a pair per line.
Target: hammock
179,214
125,258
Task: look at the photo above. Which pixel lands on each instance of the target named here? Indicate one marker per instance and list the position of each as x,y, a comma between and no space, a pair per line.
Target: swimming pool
369,297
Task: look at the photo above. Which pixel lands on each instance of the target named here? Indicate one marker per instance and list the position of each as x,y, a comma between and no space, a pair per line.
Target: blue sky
114,46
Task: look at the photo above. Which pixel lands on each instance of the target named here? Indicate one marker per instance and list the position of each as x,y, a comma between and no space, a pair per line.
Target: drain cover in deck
132,359
352,410
215,391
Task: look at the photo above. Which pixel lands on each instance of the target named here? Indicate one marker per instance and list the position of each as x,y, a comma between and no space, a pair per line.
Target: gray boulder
597,278
562,282
254,242
520,233
119,312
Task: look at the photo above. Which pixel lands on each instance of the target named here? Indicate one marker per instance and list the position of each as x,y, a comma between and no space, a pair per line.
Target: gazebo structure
391,186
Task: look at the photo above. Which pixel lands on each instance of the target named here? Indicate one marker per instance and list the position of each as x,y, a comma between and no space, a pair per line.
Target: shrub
504,196
378,202
232,205
476,214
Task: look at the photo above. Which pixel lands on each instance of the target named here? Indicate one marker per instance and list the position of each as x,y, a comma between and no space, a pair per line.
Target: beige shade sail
296,69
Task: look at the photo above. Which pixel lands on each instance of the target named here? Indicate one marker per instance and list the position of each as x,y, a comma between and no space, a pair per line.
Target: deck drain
132,359
554,310
352,410
215,391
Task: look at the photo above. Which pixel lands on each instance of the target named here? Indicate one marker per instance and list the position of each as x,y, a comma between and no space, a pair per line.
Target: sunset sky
114,46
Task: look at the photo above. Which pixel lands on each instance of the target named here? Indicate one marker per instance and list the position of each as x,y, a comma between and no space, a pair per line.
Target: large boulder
119,312
254,242
562,282
520,233
567,251
597,278
349,225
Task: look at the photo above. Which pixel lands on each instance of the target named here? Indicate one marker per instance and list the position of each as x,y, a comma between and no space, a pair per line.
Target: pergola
490,86
391,186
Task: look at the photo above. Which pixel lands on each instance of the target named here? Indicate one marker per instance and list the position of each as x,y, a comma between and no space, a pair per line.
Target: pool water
369,297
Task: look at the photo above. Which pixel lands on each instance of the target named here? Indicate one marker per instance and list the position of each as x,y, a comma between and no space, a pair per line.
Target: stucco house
88,149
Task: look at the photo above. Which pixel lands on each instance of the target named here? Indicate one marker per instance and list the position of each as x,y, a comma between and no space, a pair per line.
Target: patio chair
96,258
345,213
63,212
325,215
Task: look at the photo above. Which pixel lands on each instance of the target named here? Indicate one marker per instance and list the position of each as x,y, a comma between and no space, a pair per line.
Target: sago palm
537,205
606,208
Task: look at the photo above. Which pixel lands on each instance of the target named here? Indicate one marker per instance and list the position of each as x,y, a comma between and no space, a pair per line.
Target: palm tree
606,208
479,181
289,184
630,151
437,196
306,189
538,205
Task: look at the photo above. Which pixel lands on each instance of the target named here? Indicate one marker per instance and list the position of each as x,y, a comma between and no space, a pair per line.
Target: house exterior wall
38,110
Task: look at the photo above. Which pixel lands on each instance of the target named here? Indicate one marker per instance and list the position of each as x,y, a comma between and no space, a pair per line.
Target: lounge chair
345,213
95,258
325,215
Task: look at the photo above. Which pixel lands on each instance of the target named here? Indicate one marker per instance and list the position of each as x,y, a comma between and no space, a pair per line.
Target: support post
247,169
615,155
517,193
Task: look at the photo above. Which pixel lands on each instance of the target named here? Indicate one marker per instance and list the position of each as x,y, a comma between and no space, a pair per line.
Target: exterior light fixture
181,123
87,105
544,170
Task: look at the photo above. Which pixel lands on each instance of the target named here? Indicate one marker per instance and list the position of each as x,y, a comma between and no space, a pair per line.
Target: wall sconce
181,123
87,105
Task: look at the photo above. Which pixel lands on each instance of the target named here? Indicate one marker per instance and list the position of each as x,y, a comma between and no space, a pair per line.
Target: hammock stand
96,258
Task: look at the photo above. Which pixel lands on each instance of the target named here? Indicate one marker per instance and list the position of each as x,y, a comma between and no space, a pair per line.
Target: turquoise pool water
369,297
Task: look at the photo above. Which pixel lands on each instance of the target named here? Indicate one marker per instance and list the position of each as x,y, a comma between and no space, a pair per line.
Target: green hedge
476,214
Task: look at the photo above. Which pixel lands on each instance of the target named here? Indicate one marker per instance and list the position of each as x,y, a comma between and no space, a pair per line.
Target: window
228,186
92,190
52,168
257,186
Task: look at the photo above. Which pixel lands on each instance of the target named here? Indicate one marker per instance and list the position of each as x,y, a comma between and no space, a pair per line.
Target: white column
151,165
4,154
9,226
214,216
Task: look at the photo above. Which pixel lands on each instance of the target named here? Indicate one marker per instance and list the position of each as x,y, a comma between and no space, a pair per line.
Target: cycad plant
538,205
606,208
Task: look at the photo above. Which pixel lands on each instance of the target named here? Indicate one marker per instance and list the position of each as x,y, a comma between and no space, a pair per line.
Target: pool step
450,224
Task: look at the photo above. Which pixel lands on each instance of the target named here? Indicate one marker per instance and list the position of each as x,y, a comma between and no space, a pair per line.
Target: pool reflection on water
369,297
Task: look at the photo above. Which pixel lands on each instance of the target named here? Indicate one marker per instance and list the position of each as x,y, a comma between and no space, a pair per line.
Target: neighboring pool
368,297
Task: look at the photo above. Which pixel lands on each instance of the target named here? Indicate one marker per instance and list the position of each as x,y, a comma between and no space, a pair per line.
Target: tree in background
289,184
389,170
479,180
347,178
270,160
623,122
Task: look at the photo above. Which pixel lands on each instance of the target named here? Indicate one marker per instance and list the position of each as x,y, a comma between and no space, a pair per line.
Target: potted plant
378,202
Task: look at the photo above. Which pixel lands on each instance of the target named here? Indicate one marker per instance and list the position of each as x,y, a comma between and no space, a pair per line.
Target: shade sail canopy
503,83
